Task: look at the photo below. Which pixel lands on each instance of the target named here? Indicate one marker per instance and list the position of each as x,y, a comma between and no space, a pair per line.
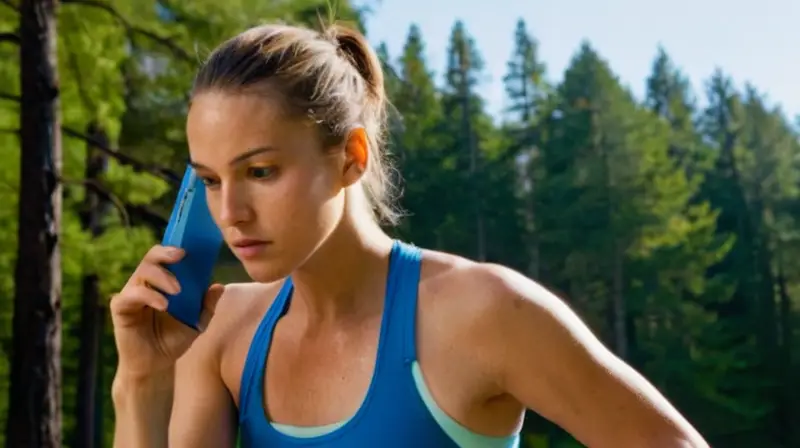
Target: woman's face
273,191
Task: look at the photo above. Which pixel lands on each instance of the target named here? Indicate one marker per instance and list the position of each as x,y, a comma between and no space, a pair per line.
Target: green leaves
135,188
125,68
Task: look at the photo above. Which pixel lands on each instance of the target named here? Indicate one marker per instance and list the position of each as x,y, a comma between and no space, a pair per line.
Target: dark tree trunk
34,419
91,328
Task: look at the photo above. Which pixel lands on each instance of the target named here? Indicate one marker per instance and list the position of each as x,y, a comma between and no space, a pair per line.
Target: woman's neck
346,277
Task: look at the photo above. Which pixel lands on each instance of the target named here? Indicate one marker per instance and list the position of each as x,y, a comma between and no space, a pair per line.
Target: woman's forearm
142,407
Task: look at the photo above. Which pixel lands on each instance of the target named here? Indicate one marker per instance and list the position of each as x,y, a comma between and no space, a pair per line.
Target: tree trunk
91,330
35,381
620,310
789,393
534,266
474,171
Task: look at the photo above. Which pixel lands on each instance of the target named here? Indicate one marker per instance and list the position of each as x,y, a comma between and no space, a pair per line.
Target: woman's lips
249,248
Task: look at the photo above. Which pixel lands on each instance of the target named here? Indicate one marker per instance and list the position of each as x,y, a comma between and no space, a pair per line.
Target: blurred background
641,159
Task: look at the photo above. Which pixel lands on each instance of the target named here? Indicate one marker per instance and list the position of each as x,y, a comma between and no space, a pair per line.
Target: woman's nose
234,207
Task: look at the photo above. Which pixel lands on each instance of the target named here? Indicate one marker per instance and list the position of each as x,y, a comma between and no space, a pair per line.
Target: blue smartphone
192,229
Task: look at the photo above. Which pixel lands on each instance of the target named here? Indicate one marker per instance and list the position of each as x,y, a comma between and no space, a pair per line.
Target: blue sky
758,44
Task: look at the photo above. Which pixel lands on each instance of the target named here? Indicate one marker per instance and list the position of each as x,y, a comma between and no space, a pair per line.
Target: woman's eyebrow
240,158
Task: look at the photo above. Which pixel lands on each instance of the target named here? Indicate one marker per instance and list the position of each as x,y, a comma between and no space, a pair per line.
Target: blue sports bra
398,410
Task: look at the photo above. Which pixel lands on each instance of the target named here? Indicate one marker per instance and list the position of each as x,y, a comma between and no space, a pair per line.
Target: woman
347,338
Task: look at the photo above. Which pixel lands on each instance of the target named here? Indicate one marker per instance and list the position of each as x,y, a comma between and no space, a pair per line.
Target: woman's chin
263,272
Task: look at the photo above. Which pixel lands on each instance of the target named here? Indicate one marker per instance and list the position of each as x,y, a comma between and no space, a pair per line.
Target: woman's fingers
163,255
135,298
158,277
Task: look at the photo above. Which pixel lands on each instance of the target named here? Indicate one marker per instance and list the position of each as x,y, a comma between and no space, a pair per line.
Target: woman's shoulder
241,306
225,342
460,278
468,294
455,286
240,298
460,304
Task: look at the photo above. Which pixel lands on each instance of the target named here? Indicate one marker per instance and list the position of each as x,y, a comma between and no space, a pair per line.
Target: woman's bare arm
186,406
542,354
203,413
142,407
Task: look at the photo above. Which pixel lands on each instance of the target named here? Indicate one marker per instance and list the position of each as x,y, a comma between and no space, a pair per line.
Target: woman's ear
356,155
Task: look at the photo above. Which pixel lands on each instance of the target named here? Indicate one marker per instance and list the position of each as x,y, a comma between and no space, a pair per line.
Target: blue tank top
395,413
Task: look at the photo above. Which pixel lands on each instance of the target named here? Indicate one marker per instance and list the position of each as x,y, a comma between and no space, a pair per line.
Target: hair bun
356,49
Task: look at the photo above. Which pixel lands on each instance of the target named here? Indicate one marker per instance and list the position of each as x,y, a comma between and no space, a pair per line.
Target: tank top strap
256,359
404,278
397,342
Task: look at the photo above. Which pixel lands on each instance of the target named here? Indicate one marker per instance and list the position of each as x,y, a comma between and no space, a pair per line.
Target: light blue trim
302,432
462,436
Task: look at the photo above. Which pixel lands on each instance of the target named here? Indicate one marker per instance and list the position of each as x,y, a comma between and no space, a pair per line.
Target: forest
668,221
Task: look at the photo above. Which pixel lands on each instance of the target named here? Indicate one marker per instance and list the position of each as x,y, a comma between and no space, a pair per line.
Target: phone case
192,229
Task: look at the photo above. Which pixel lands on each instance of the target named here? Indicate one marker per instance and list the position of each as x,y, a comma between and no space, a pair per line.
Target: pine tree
464,110
419,143
722,123
577,210
680,321
524,81
612,191
527,93
669,96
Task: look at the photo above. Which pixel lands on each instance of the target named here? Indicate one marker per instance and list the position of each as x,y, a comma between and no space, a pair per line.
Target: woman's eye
261,172
209,182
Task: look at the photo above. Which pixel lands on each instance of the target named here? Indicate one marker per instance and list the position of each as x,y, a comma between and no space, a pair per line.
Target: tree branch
148,215
125,209
95,186
164,173
10,37
10,97
132,29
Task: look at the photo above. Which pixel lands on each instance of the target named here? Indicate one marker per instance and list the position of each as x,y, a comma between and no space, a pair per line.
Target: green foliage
125,68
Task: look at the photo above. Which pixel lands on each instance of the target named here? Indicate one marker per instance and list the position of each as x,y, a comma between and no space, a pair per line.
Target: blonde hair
332,77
